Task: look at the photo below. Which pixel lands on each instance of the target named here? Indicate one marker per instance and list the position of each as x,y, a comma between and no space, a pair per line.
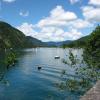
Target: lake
26,82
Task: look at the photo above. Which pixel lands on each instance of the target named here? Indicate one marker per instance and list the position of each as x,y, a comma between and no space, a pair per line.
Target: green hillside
35,42
11,37
77,43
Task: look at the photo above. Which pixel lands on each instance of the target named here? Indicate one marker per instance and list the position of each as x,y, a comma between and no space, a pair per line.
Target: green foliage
72,58
92,49
72,85
61,86
64,61
64,46
10,58
90,72
63,72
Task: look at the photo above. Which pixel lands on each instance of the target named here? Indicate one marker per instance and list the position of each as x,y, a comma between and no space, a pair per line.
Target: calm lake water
25,82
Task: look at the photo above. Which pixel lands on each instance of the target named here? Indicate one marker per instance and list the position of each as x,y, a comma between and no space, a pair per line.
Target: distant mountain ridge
58,44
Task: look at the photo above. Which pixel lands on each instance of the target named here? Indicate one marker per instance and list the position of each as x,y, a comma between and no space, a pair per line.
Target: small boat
57,57
39,67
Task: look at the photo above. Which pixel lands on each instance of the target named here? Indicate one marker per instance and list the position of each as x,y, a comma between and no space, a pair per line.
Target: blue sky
52,20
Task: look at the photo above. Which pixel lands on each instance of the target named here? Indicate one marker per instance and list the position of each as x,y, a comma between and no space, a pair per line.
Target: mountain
57,44
51,44
35,42
77,43
11,37
40,43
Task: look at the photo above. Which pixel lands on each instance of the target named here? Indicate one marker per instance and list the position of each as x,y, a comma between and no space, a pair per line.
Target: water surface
26,82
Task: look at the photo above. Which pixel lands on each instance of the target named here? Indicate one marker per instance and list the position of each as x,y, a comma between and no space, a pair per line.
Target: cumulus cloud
91,13
60,25
81,24
27,29
24,13
95,2
50,33
59,35
9,1
74,1
73,34
58,17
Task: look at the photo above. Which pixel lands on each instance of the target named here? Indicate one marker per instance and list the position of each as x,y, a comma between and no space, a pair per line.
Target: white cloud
91,13
58,17
49,33
81,24
95,2
24,13
74,1
87,8
9,1
60,35
73,34
60,14
60,25
27,29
